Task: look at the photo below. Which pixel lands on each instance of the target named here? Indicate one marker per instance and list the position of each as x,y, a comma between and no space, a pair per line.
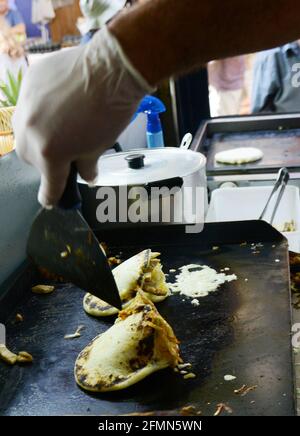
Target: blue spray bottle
152,107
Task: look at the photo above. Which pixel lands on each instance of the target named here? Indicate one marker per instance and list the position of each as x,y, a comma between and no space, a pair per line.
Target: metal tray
277,136
242,329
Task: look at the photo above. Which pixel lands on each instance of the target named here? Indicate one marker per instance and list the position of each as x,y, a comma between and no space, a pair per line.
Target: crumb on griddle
42,289
7,356
184,365
12,358
24,357
76,334
64,254
189,411
19,318
222,407
240,390
229,377
189,376
114,261
244,390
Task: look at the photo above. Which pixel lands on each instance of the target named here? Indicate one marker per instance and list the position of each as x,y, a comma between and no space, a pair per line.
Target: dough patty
240,155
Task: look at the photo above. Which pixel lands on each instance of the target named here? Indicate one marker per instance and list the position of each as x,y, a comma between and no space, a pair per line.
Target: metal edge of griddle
213,233
243,124
232,171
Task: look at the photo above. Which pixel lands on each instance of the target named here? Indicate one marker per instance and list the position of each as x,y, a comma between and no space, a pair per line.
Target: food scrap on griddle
222,407
43,289
11,358
244,390
197,281
76,334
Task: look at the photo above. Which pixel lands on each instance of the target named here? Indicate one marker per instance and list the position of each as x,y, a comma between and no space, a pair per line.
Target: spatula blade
61,241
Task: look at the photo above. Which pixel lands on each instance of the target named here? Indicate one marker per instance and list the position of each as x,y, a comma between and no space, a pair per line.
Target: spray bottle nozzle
152,107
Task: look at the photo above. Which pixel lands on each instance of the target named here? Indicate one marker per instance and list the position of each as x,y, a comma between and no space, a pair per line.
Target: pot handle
174,182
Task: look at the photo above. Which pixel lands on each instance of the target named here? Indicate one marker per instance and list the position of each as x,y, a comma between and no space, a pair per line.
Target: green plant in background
11,89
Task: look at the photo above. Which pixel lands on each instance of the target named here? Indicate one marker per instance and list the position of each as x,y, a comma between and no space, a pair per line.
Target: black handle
174,182
117,147
135,161
71,198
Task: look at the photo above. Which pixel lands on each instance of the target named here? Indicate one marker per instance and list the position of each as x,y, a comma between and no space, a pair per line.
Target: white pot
169,185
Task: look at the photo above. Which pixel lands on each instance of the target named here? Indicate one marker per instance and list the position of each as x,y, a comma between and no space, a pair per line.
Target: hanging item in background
42,13
61,3
9,45
12,5
97,12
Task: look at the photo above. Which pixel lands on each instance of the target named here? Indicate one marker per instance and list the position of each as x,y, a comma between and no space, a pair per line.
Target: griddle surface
243,329
281,149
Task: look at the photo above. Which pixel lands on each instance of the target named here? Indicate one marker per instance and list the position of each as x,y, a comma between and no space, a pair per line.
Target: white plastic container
242,204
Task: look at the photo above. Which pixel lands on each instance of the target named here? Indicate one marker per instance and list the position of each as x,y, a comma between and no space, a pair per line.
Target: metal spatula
61,241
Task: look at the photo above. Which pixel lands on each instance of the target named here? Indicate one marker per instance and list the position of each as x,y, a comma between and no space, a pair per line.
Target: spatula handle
71,198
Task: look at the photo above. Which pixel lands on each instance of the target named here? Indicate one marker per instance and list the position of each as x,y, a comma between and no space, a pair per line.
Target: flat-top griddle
279,140
243,329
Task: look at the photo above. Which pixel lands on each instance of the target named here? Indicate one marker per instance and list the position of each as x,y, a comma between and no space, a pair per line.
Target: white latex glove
72,107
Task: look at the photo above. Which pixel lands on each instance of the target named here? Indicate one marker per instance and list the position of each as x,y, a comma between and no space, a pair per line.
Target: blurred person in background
12,34
13,18
274,89
226,84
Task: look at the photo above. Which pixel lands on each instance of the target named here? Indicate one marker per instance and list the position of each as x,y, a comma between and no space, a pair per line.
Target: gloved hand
72,107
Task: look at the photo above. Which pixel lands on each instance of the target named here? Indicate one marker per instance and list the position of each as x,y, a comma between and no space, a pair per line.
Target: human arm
166,37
